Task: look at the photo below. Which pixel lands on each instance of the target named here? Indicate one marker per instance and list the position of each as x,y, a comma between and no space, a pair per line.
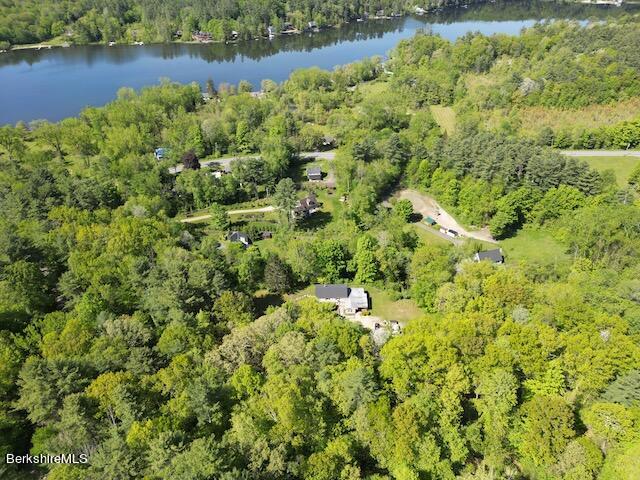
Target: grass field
592,116
621,166
446,118
429,238
382,305
534,246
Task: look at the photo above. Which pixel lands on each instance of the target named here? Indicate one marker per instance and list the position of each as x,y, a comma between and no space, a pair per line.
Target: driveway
270,208
225,163
428,207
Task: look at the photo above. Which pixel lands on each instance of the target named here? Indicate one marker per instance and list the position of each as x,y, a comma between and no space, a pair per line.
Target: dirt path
225,163
270,208
427,206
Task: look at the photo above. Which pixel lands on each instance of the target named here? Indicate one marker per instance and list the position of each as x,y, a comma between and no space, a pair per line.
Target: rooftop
494,255
331,291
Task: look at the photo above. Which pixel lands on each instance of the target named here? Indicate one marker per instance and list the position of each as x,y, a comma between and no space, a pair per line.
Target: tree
219,217
285,199
211,89
190,161
12,140
277,275
233,309
497,398
367,267
403,209
430,267
547,427
51,134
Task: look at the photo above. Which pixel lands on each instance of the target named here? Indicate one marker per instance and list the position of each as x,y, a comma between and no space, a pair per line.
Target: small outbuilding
159,153
430,221
314,174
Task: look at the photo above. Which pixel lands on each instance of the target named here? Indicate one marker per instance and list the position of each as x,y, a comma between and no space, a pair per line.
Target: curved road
225,162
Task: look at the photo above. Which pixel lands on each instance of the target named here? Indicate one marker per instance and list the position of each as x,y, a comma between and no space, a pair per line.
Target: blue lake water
59,82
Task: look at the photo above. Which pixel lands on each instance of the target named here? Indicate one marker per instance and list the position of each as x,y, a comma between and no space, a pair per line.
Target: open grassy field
592,116
535,247
383,306
446,118
373,89
428,237
621,166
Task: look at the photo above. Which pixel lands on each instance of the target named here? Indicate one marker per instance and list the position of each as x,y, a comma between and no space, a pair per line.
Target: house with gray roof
494,256
348,300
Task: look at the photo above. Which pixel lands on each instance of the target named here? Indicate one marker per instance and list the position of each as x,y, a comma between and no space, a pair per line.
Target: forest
134,332
86,21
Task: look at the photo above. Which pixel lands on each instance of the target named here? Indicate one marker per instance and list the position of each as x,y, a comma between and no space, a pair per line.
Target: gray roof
239,237
494,255
358,298
332,291
314,171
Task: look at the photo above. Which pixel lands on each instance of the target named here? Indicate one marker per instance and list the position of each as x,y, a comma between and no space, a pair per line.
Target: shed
430,221
314,173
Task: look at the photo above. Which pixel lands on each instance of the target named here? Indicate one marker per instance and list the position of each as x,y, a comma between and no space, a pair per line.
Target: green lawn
446,118
382,305
429,238
535,247
621,166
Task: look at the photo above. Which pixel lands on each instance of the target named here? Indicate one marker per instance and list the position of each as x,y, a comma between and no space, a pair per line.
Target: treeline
151,20
145,342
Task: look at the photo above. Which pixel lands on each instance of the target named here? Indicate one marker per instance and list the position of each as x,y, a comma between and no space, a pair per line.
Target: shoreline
417,12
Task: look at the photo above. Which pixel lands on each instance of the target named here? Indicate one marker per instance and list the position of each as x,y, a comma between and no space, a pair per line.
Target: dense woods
84,21
163,351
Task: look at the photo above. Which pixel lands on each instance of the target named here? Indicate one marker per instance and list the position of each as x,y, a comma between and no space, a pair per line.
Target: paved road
601,153
225,163
270,208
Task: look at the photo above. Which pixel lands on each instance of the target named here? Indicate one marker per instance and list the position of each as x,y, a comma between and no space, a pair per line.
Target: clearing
535,246
621,166
428,207
593,116
446,118
200,218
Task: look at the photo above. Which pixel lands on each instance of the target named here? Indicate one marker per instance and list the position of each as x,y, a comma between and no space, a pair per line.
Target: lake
58,83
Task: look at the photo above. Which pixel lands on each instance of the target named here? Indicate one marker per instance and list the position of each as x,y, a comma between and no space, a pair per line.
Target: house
159,153
306,207
240,237
202,37
348,300
430,221
494,256
314,174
